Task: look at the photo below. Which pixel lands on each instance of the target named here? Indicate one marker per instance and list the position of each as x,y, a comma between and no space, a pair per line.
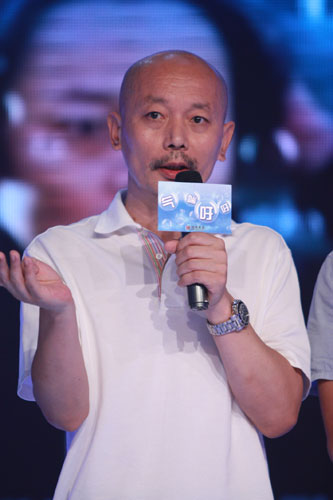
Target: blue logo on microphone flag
189,207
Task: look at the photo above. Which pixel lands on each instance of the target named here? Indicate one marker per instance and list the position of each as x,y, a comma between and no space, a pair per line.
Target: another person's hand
34,282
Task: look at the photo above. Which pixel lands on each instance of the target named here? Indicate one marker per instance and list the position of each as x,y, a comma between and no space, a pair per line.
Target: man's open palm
34,282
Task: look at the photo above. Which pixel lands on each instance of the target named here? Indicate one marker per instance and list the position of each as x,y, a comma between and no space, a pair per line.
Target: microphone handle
197,294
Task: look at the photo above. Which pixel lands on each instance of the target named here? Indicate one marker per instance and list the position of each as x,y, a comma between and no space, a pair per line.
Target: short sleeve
320,323
262,272
284,324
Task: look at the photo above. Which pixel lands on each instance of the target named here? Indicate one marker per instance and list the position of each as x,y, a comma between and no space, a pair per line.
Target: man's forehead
173,67
170,65
174,80
152,99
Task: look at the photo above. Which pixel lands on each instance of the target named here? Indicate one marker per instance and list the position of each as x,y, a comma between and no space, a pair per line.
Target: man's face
69,82
172,121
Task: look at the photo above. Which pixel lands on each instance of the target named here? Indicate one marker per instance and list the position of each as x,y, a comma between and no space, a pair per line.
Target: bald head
171,61
172,109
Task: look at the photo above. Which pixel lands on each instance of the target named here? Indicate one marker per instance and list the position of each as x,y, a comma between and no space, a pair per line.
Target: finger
17,285
204,265
30,270
4,271
15,269
198,238
216,286
171,246
213,282
199,246
193,252
32,263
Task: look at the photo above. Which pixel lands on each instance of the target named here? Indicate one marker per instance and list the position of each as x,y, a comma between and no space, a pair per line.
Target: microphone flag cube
193,207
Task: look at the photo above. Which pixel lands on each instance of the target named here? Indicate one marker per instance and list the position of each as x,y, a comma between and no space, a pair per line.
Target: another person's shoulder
327,266
320,323
324,283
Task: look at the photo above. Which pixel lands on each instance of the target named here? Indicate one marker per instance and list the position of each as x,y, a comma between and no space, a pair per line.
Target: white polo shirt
162,423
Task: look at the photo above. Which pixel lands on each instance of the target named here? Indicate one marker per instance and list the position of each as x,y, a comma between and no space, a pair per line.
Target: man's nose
175,136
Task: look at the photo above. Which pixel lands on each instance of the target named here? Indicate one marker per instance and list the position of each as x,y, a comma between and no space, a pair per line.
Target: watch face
242,311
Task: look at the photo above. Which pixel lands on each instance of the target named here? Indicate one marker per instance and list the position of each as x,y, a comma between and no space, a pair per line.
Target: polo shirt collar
115,217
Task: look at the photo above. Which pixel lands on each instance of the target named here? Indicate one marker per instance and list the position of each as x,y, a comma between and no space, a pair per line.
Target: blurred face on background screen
68,83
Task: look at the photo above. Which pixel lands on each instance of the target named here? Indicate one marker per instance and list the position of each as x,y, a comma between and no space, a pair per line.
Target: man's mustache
177,161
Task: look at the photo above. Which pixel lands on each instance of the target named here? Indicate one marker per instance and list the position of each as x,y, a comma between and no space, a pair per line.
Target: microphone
197,294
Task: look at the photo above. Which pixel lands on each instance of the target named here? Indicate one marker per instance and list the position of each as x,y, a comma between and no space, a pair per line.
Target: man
158,407
320,333
61,65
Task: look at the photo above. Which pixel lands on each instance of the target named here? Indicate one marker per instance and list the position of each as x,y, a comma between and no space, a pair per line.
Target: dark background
280,65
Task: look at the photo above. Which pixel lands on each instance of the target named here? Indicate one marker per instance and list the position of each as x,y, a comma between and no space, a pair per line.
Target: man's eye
154,115
199,119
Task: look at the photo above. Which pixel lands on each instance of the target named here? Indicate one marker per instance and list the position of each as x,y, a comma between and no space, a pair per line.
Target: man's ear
228,131
114,125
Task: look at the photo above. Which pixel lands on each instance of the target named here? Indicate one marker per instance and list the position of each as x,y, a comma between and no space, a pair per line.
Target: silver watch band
231,325
236,323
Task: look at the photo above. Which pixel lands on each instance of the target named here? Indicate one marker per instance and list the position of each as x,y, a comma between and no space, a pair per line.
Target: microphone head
188,176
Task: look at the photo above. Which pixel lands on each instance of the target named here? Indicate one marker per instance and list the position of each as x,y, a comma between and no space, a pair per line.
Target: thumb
171,246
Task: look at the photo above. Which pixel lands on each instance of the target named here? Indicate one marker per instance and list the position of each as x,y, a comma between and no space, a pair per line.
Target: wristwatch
239,320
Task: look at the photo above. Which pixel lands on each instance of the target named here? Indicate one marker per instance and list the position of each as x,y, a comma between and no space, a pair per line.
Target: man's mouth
184,163
169,171
173,166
